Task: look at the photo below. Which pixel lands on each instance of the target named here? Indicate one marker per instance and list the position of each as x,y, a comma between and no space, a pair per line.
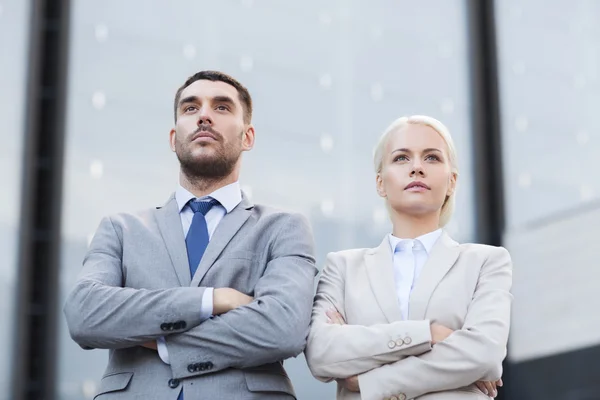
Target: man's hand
227,299
489,388
439,333
150,345
350,383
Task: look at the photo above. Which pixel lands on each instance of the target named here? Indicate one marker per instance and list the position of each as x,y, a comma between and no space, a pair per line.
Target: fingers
335,317
481,386
499,382
488,388
491,389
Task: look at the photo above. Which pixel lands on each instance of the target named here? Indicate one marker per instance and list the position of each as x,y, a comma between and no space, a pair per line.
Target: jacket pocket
268,382
114,382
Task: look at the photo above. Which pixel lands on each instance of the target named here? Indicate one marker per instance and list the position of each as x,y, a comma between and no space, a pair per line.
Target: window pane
326,80
550,94
14,18
549,58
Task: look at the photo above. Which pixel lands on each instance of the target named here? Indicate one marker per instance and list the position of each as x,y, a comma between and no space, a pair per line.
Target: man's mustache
206,129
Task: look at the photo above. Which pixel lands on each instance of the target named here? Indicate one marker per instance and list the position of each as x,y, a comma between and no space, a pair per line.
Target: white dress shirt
409,257
229,197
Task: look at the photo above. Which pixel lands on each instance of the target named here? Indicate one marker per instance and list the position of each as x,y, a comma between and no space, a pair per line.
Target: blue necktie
197,238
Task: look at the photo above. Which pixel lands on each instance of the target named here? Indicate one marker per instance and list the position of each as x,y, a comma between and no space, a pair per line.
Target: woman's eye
432,157
400,158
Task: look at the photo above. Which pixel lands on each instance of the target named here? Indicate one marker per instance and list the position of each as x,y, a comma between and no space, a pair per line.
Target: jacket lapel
443,256
169,224
379,263
227,228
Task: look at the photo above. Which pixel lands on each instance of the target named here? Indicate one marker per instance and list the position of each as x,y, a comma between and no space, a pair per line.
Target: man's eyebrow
223,99
188,99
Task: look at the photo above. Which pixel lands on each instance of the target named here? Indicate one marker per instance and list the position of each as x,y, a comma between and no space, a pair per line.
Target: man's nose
204,117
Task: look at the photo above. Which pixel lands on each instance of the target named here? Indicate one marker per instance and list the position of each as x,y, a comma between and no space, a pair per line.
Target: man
204,297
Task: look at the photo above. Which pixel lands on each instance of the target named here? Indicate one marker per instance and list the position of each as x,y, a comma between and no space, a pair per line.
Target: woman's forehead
416,137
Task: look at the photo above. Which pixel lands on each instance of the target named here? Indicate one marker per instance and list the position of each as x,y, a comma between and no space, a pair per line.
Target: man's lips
203,135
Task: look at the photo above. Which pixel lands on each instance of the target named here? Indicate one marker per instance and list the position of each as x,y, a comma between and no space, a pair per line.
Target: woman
420,316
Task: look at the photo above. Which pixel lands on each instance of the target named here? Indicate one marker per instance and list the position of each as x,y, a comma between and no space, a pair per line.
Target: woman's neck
413,226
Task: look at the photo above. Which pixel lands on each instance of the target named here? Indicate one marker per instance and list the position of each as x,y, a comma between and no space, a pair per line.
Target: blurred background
516,81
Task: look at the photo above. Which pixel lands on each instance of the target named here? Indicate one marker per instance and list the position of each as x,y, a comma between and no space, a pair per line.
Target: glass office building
327,78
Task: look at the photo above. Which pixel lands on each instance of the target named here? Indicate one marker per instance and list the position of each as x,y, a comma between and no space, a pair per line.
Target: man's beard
212,168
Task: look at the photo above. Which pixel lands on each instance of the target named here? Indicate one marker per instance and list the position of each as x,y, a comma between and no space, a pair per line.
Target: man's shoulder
277,214
277,220
143,216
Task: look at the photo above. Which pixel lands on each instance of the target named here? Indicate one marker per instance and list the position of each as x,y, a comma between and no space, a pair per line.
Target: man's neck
201,187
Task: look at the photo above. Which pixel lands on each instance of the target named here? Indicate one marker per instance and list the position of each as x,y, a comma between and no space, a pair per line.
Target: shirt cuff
163,353
206,309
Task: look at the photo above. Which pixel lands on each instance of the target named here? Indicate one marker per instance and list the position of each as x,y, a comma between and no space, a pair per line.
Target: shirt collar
229,196
428,240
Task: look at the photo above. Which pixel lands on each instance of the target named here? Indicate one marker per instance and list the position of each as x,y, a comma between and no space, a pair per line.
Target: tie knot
202,206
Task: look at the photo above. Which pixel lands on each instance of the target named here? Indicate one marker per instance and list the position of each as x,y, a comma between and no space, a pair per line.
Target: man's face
210,134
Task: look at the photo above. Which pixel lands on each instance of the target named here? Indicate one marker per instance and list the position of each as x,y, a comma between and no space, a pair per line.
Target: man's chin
206,167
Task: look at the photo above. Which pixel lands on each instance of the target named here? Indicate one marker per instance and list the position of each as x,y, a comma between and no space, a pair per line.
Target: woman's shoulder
485,250
348,254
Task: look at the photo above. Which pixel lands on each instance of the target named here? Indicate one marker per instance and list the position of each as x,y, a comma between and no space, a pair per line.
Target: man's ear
248,136
172,138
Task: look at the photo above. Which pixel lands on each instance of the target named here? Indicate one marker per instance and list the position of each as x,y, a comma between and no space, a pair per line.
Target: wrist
220,301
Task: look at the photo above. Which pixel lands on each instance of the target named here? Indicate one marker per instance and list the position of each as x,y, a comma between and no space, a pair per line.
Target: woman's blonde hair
448,206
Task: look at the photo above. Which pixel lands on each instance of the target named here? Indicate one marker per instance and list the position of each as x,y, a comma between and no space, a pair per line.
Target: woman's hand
350,384
334,317
489,388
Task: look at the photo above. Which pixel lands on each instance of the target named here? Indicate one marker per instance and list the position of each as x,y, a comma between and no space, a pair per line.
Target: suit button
192,368
180,325
164,326
407,340
393,398
173,383
391,344
401,396
171,326
209,365
399,342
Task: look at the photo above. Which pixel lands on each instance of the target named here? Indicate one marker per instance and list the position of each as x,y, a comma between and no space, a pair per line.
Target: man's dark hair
217,76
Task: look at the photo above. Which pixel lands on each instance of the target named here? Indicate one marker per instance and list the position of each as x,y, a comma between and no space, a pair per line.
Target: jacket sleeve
341,351
103,314
271,328
468,355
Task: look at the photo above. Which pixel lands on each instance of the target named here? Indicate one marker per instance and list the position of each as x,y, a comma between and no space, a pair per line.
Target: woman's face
416,175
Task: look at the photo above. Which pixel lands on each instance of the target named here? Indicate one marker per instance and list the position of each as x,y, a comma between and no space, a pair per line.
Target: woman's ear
380,188
452,184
